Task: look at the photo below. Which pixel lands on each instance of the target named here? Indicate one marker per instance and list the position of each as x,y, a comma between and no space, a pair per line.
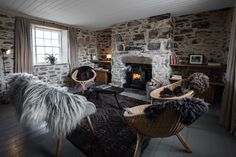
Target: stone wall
103,43
6,41
204,33
54,73
87,45
150,37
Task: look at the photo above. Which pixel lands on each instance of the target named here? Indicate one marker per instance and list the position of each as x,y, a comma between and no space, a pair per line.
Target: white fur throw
37,102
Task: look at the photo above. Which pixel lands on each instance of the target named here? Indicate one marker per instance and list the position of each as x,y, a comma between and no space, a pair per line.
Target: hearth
137,75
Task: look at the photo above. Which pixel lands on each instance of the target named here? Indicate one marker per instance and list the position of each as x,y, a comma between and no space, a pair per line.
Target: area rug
113,137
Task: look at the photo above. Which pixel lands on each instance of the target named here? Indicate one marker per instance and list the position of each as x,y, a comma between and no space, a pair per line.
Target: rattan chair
167,124
155,94
84,75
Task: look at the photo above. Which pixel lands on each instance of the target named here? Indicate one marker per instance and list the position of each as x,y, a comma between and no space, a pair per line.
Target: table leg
118,102
89,94
97,95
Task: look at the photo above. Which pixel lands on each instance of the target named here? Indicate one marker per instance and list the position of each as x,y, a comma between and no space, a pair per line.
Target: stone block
133,23
201,25
120,48
118,38
158,18
133,48
153,34
154,46
178,38
185,31
138,37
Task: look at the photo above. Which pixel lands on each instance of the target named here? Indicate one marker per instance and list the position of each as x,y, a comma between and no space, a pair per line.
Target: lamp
7,52
108,56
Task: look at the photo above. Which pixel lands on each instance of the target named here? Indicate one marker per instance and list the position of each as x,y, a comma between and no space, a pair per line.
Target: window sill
40,65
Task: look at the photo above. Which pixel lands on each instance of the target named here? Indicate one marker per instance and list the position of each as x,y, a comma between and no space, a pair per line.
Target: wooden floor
206,137
19,141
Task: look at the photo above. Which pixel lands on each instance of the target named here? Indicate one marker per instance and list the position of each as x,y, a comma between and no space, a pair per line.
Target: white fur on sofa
37,102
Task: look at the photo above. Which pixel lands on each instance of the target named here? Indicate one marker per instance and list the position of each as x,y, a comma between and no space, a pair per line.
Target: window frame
62,52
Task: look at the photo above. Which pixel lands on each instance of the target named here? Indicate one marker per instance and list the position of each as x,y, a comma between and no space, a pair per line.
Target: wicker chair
155,94
167,124
83,75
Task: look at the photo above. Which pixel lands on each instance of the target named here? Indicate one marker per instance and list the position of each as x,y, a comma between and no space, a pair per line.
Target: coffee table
106,89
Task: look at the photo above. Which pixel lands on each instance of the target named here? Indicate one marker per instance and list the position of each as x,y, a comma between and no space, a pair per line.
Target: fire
136,76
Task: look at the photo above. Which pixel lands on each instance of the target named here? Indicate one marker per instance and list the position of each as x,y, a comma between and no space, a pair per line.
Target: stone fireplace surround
159,61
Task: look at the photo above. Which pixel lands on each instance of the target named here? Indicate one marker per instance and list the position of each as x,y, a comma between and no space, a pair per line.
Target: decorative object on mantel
62,111
173,59
195,59
50,58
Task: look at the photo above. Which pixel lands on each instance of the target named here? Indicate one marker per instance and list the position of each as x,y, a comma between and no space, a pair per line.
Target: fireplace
137,75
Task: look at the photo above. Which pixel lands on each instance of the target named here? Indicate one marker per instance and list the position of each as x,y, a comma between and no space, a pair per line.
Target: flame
136,76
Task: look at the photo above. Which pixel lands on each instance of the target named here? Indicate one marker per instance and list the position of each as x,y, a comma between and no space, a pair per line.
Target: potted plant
50,59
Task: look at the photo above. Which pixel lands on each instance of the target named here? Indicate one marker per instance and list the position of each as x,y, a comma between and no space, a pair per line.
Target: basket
155,94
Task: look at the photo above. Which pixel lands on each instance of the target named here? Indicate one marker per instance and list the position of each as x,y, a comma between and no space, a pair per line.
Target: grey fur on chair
37,102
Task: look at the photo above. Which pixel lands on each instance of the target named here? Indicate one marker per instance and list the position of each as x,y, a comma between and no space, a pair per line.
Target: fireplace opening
137,75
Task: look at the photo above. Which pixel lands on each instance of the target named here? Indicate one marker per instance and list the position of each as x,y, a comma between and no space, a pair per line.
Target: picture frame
195,59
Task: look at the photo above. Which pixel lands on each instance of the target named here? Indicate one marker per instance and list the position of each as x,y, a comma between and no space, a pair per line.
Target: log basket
155,94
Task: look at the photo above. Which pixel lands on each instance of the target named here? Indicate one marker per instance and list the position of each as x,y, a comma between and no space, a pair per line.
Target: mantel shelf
100,61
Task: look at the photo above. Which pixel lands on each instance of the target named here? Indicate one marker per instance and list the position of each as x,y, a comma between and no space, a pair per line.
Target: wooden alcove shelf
202,66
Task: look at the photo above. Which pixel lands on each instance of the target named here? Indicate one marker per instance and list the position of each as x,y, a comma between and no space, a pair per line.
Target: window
47,40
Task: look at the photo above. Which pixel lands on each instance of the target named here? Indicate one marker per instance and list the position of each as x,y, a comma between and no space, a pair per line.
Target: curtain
23,45
73,48
228,107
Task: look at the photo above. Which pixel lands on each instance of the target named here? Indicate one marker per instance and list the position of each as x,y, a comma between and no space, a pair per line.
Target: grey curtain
23,45
73,48
228,108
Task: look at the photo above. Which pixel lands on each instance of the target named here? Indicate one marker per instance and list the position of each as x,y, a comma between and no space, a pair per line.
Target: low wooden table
110,90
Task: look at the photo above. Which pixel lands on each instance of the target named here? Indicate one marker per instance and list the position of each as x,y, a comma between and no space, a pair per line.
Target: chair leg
59,145
90,124
140,140
184,142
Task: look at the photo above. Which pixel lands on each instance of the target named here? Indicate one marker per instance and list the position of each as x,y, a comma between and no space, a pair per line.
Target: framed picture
195,59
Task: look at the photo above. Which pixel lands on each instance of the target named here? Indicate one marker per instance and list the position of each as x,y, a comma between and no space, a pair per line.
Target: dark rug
113,137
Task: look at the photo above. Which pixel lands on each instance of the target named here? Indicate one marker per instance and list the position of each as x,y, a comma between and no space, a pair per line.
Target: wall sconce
108,57
5,52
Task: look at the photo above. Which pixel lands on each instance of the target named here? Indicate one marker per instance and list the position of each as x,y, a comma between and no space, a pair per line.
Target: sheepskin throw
190,108
37,102
198,82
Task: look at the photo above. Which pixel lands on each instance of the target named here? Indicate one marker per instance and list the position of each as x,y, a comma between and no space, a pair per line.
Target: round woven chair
83,75
166,124
155,94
